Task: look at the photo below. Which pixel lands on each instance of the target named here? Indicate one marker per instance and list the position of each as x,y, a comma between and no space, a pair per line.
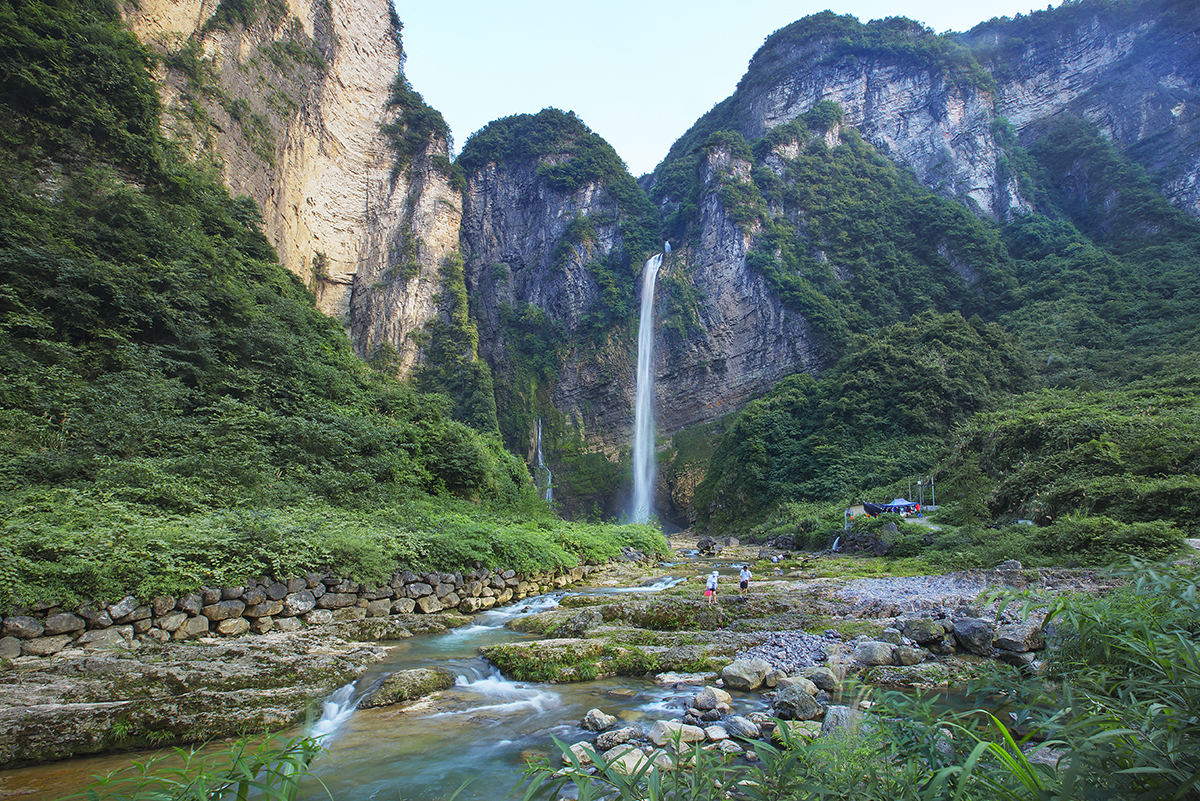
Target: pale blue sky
637,72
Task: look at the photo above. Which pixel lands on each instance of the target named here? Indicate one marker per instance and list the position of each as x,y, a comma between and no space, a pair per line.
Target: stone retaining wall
266,605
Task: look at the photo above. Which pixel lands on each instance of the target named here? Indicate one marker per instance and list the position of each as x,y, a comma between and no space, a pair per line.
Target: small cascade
836,541
543,470
643,417
337,709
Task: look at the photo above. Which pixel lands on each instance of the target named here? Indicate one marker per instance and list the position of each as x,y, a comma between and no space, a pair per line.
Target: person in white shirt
745,585
710,588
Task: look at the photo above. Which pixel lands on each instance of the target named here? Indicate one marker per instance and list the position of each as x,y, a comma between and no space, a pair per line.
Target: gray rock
45,646
143,612
223,610
261,625
123,607
264,609
840,720
420,589
276,591
210,595
1019,637
192,627
923,630
667,732
745,674
408,685
100,639
799,681
232,593
318,617
428,604
907,655
233,627
380,608
974,635
22,627
10,648
162,604
793,703
597,721
298,603
191,603
890,635
711,698
716,734
823,677
622,736
741,728
1009,564
875,653
403,606
253,596
336,600
346,613
288,624
96,619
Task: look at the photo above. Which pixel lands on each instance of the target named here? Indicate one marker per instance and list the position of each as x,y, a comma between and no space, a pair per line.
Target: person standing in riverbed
710,588
744,588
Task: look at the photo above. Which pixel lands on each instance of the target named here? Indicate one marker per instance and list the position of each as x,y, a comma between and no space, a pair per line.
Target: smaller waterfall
543,470
836,540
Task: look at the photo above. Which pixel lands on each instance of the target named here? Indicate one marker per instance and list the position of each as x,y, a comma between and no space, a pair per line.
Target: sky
637,72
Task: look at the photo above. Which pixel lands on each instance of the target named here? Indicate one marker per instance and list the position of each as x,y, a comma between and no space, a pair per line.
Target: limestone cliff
1130,70
287,99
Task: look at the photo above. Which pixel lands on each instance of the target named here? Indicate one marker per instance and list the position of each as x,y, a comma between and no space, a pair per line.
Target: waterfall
643,417
548,490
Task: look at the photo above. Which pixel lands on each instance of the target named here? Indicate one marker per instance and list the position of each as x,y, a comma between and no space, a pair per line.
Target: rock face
294,121
1133,75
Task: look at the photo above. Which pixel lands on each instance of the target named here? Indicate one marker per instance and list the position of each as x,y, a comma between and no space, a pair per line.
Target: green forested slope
173,409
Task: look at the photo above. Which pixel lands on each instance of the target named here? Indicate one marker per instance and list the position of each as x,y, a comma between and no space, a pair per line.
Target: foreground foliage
269,770
1118,717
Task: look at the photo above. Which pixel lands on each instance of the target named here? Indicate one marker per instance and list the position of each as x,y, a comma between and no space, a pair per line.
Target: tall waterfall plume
643,416
544,471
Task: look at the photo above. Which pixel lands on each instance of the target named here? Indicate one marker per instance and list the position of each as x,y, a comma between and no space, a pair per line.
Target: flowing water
643,417
478,733
543,470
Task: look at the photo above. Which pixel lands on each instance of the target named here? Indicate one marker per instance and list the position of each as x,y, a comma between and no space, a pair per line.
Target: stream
476,735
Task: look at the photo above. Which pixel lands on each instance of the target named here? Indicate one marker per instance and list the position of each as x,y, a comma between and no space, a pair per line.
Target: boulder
715,734
875,653
337,600
45,646
124,607
264,609
223,610
823,677
1019,637
298,603
418,589
407,685
10,648
191,603
614,737
193,627
974,635
711,698
799,681
667,732
380,608
428,604
288,624
631,761
741,728
597,721
841,719
233,626
64,623
793,703
907,655
583,753
745,674
403,606
923,630
276,591
162,604
100,639
318,617
22,627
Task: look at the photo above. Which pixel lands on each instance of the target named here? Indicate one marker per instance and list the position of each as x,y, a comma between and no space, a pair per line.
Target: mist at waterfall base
644,466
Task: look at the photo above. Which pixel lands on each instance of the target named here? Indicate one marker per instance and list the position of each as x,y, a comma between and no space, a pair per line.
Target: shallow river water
478,734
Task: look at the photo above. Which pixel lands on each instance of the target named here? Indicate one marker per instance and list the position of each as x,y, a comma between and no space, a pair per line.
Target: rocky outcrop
289,101
1134,75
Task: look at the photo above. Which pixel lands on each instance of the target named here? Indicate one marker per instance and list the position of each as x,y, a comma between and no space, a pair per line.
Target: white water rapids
643,417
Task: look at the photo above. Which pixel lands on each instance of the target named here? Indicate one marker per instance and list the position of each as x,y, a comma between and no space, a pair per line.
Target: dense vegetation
174,409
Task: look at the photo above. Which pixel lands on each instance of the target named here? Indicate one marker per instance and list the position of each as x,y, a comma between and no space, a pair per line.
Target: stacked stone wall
265,605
